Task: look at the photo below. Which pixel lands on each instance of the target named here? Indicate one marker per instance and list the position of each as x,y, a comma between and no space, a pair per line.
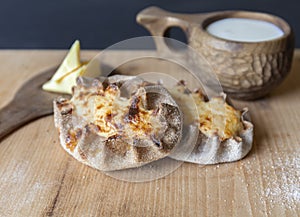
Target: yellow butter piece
71,62
65,77
64,85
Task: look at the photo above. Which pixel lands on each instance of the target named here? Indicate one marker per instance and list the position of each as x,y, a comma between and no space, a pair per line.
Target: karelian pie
118,122
224,134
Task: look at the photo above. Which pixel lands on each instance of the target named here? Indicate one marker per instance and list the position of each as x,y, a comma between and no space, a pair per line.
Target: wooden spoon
29,103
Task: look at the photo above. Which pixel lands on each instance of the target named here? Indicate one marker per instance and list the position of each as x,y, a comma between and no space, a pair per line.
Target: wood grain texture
37,178
38,103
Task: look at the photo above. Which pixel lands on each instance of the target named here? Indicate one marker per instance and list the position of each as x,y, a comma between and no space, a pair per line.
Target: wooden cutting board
38,178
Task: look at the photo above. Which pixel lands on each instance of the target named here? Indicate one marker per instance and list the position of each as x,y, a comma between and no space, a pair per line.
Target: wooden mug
246,70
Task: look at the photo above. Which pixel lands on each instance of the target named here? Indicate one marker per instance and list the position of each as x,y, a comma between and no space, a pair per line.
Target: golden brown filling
115,115
215,117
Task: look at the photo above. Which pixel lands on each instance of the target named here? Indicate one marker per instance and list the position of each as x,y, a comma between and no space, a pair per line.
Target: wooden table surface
38,178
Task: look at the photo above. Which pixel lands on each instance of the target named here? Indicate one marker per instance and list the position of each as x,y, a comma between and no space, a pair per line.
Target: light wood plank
37,178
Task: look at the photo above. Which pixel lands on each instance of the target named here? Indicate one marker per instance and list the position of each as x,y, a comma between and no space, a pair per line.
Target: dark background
100,23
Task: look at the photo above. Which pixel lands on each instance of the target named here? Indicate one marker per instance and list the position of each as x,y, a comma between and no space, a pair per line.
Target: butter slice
65,77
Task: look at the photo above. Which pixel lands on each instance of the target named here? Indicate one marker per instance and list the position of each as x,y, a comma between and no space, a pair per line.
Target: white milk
244,30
